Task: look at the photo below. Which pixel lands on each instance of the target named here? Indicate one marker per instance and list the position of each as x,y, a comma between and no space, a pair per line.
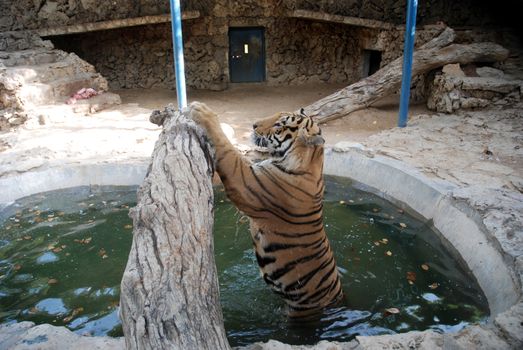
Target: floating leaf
73,314
384,241
388,253
411,276
351,201
84,240
342,202
434,285
103,253
401,211
403,225
128,227
425,267
57,250
375,210
78,310
376,243
392,311
60,213
28,238
17,267
38,219
52,281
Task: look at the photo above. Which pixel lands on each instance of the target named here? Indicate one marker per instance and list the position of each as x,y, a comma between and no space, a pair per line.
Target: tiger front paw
203,115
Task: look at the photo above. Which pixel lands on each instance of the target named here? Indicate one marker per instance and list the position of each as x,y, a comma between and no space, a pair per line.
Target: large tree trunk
387,80
169,291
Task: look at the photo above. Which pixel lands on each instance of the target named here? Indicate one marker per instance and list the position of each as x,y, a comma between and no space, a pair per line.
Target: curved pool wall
101,174
457,222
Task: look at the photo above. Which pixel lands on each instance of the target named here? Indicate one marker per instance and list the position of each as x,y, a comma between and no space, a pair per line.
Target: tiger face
279,132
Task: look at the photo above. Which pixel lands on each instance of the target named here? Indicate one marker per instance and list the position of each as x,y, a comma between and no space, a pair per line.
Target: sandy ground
243,104
124,132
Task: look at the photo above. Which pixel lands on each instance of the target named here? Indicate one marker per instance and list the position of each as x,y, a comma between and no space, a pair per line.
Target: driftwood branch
435,53
169,291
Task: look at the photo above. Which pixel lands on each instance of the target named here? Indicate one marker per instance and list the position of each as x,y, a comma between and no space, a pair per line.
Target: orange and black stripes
283,197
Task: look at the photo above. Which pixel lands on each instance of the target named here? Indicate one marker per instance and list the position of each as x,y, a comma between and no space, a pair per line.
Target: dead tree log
387,80
169,291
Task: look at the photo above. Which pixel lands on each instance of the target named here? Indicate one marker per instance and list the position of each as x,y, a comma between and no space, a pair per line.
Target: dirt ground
243,104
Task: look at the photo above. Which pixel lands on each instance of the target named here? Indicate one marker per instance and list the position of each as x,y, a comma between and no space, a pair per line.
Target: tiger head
279,132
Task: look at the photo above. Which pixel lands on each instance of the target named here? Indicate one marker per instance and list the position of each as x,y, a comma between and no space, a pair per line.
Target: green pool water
62,255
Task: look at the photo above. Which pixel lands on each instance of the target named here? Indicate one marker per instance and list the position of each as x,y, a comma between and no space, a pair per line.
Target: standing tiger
283,197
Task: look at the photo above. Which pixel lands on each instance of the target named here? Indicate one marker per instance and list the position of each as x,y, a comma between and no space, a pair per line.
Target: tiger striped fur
283,197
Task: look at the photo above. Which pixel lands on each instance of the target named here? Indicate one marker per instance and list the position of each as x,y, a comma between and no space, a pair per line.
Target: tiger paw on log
283,198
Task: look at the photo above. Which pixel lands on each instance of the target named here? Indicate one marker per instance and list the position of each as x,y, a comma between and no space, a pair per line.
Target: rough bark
436,53
169,291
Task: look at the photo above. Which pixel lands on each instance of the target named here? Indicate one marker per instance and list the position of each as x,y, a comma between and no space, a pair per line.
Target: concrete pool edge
433,200
401,183
99,174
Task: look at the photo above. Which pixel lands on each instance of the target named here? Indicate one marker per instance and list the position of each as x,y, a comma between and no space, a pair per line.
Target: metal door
246,55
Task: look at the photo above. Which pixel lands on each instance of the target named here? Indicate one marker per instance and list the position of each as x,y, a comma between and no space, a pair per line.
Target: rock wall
296,52
472,87
453,13
34,14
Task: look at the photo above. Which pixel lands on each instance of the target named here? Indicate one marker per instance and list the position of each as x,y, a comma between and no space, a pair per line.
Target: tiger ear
302,112
310,140
315,140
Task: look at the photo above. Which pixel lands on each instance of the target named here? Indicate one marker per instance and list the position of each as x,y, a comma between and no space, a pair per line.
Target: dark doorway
247,54
371,62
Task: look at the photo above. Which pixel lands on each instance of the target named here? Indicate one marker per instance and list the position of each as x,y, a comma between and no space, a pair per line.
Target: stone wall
37,14
34,14
297,52
453,13
472,87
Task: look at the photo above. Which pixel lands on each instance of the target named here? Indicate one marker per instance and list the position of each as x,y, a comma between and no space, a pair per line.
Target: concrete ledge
26,184
354,21
113,24
433,200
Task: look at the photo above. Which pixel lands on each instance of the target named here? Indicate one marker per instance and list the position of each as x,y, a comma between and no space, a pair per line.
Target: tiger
283,198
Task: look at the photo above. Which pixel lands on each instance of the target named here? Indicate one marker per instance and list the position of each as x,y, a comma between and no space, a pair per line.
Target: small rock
489,72
16,121
453,69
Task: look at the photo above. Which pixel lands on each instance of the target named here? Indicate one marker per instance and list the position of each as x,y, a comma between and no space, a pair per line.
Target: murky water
62,255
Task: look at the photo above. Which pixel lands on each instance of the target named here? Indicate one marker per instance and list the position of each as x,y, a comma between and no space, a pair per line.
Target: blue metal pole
179,67
410,32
